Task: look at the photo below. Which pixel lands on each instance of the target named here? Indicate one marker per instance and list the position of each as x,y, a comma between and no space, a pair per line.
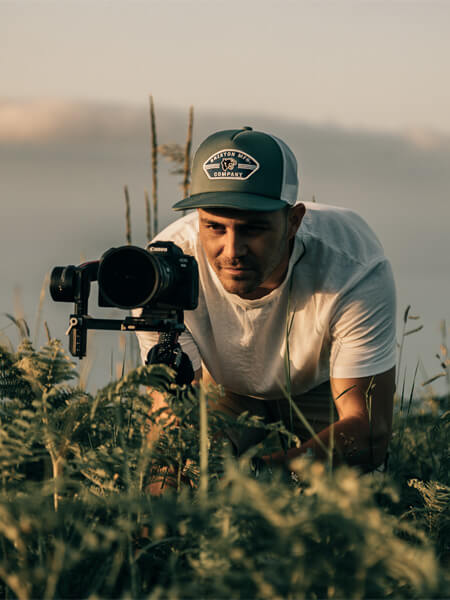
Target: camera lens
62,283
129,276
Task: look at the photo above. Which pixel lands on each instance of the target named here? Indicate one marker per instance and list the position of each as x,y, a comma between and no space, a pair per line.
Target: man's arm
363,325
361,434
158,403
167,477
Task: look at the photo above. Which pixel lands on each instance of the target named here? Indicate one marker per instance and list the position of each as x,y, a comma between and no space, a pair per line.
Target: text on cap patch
229,163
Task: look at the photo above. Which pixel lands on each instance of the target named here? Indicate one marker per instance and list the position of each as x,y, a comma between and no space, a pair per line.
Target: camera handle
169,352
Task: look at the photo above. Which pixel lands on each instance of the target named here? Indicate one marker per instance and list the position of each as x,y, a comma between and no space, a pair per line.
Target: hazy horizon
62,194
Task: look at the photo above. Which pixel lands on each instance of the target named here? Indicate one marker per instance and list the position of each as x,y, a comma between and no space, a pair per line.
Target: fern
434,514
76,521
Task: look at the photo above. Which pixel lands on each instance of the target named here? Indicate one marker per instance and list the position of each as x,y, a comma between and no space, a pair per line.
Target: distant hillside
63,168
388,178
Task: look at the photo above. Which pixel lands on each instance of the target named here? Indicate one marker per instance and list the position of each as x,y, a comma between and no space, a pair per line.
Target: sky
377,65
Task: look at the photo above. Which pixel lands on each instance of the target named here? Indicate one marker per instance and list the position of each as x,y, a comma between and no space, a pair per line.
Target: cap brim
236,200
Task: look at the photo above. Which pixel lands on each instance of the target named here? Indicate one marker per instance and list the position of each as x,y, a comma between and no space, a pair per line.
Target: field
76,521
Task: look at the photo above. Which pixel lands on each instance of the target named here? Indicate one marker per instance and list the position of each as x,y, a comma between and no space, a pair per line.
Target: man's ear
295,217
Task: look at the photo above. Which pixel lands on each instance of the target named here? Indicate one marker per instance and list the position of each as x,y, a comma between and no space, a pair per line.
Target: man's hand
362,433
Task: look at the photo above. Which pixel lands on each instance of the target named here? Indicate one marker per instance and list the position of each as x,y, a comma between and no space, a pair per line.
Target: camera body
159,276
161,279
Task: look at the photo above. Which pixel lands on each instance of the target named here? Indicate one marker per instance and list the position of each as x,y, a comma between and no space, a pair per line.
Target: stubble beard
247,283
238,284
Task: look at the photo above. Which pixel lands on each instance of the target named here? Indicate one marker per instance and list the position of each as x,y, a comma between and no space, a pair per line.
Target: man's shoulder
183,232
341,232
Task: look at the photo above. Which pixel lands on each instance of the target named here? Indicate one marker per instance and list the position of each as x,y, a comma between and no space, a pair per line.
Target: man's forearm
350,440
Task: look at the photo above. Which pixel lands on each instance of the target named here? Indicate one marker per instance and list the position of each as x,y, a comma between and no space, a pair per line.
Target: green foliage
434,514
76,519
420,446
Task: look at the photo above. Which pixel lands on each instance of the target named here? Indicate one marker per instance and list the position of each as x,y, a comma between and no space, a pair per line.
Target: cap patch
226,164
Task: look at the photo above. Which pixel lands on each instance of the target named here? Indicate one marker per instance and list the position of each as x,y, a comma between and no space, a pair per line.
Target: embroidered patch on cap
227,164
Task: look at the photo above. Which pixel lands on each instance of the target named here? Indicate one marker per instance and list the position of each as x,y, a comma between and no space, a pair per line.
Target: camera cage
159,318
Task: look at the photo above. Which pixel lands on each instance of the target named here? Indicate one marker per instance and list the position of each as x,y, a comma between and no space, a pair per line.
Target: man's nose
235,245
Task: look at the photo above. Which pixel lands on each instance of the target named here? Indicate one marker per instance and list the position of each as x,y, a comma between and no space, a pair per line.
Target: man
296,304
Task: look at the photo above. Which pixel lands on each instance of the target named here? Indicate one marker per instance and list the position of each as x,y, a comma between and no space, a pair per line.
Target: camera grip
173,356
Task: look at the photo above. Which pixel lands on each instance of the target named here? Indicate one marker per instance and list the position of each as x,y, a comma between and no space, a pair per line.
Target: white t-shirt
337,301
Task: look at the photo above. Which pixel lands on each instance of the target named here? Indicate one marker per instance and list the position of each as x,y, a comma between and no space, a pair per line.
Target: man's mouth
235,269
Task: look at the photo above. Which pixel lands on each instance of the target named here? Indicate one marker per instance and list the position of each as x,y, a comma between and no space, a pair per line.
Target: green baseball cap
242,169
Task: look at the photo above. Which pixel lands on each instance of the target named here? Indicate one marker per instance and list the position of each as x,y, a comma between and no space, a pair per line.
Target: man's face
248,250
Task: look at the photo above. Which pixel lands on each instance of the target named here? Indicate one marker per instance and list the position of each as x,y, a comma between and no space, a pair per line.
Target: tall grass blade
88,362
403,390
411,395
187,154
154,165
127,215
431,379
306,423
21,325
148,217
415,330
47,331
331,441
402,341
203,488
37,323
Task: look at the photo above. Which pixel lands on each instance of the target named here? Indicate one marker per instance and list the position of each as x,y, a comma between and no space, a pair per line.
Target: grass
76,521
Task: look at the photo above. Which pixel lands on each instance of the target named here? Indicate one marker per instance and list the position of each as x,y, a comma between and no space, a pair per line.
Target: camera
131,277
160,278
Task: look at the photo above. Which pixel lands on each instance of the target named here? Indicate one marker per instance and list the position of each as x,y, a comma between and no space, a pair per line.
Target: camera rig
161,279
164,321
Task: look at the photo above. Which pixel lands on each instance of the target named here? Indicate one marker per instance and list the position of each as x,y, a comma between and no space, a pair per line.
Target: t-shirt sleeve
363,326
147,339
